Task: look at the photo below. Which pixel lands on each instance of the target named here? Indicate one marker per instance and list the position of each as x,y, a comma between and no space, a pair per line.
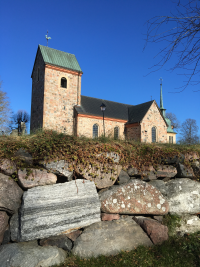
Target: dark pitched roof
91,106
137,113
59,58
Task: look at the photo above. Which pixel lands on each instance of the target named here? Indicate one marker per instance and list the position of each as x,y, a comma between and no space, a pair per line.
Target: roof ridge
108,100
56,49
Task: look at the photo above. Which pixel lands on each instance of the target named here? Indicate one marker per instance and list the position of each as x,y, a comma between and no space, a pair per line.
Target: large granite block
58,209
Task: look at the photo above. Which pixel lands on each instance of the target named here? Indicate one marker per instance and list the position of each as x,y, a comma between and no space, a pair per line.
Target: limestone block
59,167
184,172
3,224
30,254
10,194
35,178
7,166
157,232
58,209
103,175
135,197
109,238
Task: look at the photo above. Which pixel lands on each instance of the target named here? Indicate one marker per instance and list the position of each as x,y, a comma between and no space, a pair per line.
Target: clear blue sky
107,38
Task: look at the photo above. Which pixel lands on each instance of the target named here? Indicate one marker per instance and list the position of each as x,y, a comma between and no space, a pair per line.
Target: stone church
57,104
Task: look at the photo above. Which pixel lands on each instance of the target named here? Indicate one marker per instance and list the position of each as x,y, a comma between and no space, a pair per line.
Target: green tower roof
59,58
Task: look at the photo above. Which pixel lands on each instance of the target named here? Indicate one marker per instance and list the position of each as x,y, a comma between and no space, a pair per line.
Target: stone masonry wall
37,94
85,127
151,119
59,102
133,132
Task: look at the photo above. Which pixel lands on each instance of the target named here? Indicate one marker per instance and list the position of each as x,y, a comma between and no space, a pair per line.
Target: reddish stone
166,171
35,178
74,235
109,217
135,197
156,231
7,166
191,156
3,224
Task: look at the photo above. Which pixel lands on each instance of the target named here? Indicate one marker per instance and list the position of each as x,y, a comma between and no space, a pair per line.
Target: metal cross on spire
47,37
161,79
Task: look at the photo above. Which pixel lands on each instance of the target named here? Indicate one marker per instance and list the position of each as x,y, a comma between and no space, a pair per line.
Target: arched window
153,132
116,132
63,82
95,130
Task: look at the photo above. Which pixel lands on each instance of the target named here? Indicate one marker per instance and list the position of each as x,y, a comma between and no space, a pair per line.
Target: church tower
171,135
56,90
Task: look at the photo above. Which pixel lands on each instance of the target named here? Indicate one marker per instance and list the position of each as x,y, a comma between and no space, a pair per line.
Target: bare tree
174,121
18,118
180,35
189,132
4,111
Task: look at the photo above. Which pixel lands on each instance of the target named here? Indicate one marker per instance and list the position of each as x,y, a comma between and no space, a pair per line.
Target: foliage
179,33
18,118
171,221
189,131
84,152
174,121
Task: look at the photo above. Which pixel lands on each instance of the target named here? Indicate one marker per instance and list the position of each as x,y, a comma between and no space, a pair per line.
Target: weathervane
161,79
47,37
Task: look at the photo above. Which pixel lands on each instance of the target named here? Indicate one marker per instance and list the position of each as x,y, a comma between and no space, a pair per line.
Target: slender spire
161,99
161,96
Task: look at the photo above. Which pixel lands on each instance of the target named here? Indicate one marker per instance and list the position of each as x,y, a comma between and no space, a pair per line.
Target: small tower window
63,82
95,130
171,139
116,132
153,130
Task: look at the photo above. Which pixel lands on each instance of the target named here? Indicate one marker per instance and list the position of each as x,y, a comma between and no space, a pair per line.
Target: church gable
153,126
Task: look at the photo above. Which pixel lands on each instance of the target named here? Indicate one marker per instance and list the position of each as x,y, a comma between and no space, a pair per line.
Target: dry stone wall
75,215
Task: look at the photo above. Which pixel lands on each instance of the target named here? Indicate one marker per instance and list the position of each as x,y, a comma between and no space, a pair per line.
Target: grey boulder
182,195
59,167
29,254
3,224
123,177
60,241
184,172
109,238
10,194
